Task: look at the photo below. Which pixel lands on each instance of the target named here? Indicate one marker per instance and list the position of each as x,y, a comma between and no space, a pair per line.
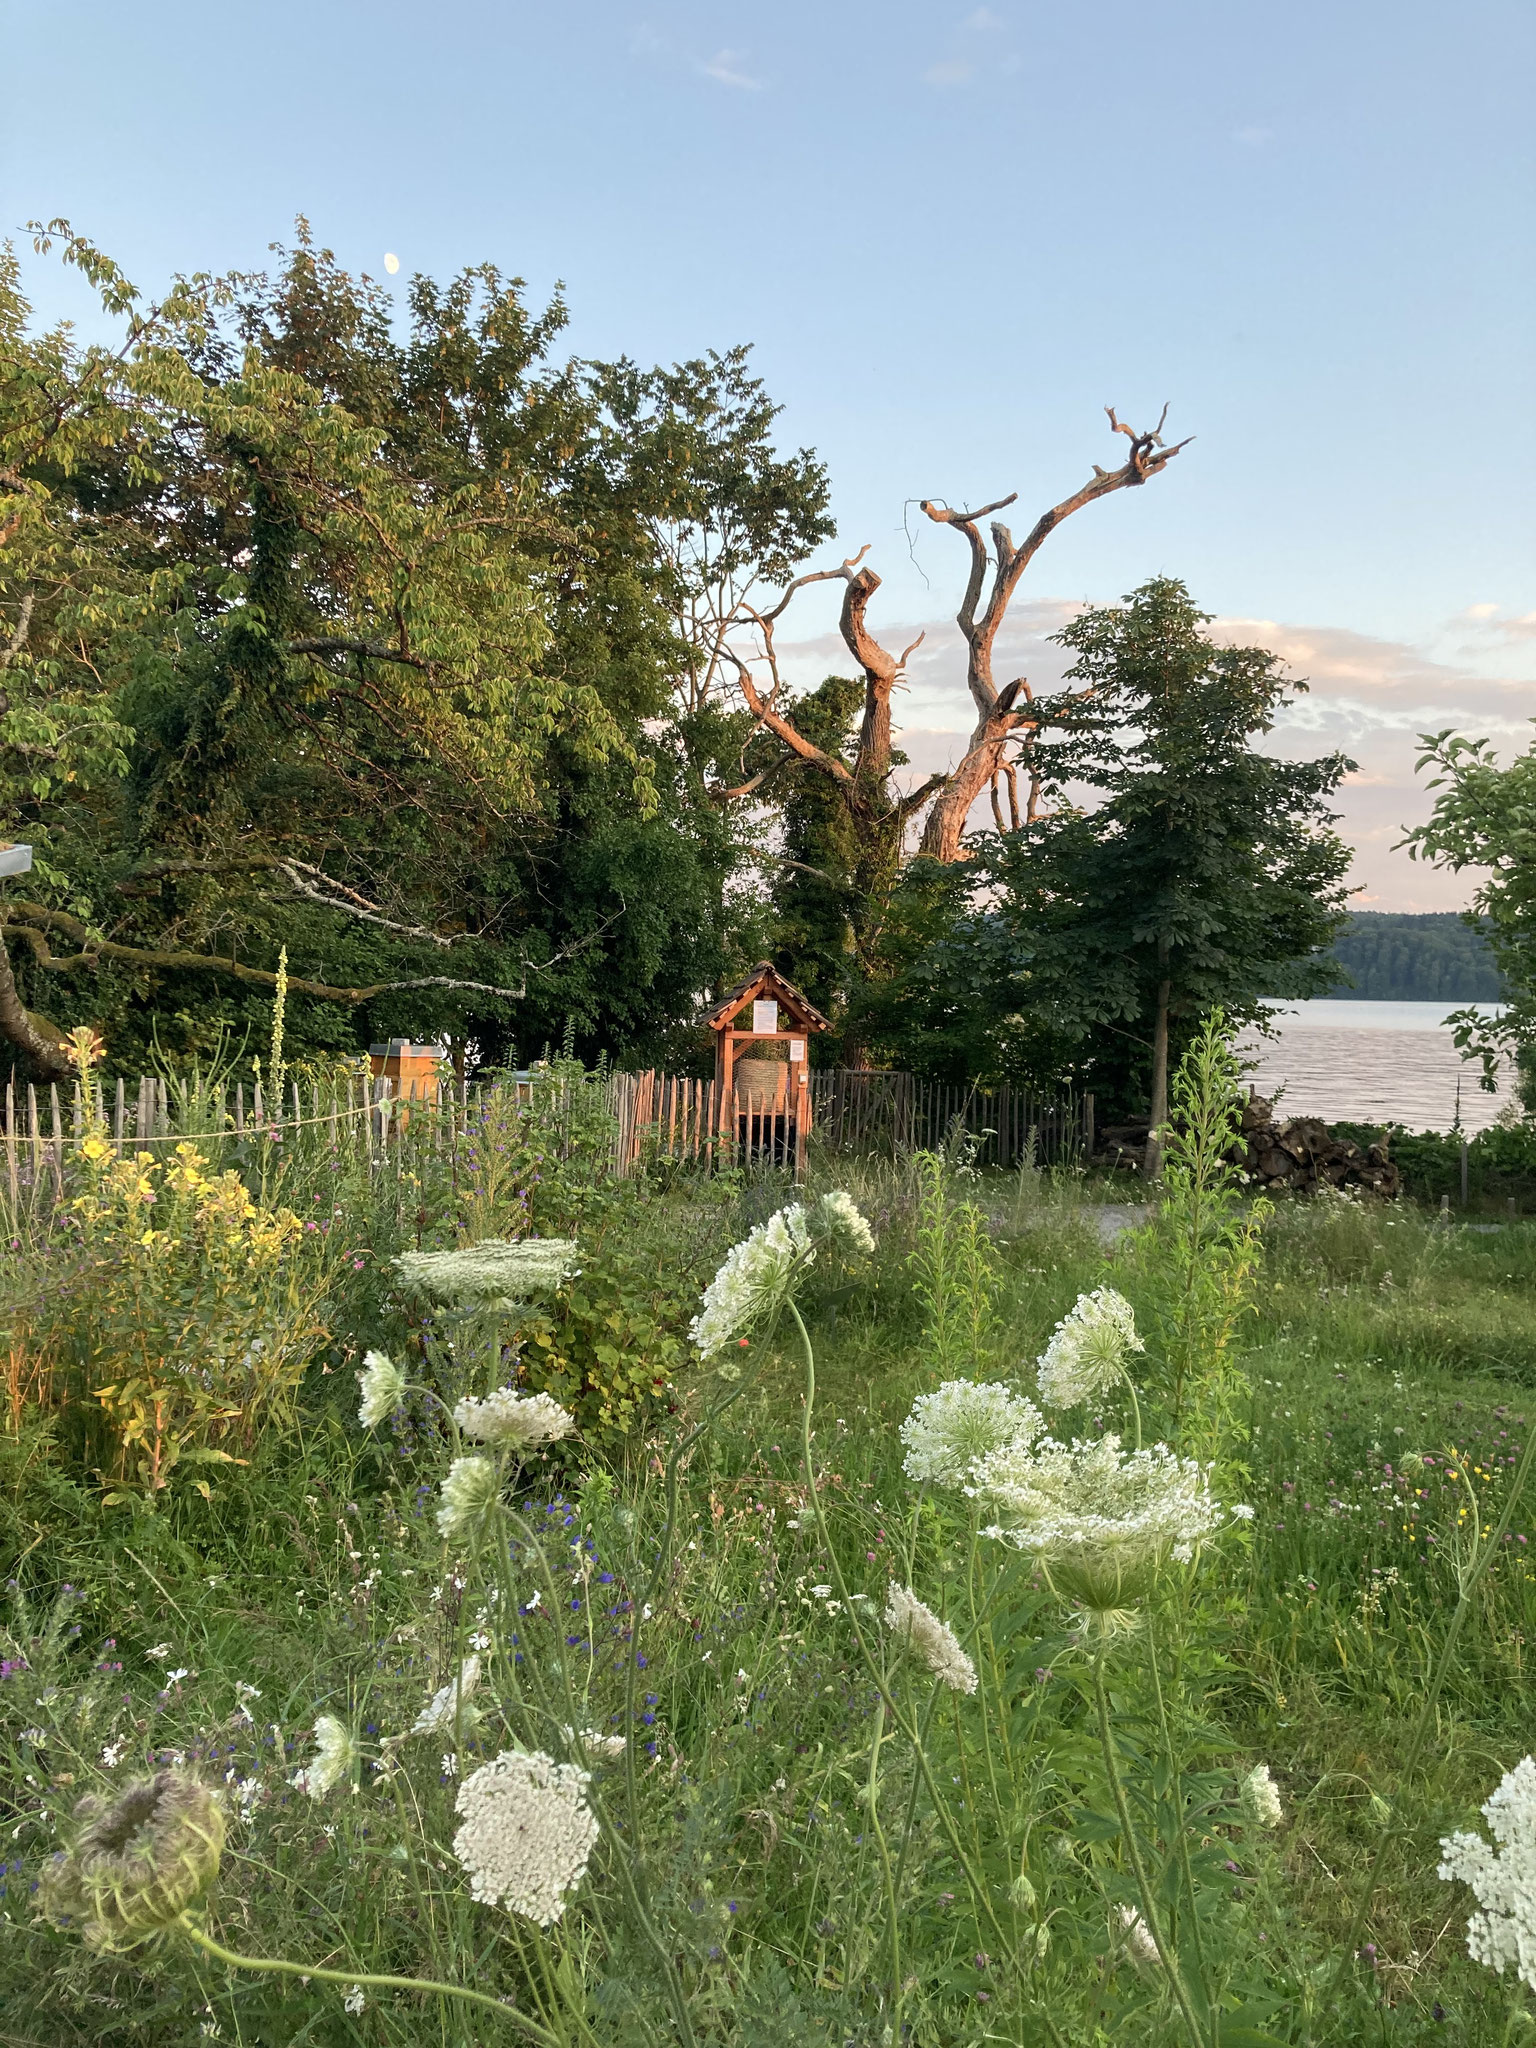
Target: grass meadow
804,1838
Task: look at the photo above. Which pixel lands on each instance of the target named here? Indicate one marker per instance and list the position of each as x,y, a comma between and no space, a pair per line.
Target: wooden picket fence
663,1116
653,1116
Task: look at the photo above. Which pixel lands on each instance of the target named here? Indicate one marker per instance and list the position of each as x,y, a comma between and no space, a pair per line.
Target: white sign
765,1016
15,860
797,1049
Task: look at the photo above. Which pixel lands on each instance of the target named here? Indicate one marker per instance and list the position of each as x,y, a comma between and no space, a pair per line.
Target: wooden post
1463,1173
1088,1131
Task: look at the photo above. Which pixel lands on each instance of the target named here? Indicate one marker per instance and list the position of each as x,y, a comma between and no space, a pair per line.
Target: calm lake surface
1363,1062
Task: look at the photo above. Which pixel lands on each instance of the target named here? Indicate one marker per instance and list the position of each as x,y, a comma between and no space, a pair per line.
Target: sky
953,235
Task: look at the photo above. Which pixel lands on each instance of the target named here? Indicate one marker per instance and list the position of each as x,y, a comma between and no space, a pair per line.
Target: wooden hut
765,1098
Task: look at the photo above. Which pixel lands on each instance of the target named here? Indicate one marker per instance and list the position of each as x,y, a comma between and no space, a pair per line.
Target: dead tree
1005,718
1002,714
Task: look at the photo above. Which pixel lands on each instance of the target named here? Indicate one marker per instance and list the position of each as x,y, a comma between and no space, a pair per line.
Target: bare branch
23,920
998,716
18,638
369,650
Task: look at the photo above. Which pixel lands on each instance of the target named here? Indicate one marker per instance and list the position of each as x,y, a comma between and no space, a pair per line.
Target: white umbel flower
837,1217
961,1421
493,1273
383,1388
1139,1941
1100,1523
1088,1351
334,1758
921,1630
754,1279
468,1492
520,1421
1261,1798
449,1706
1503,1878
527,1833
596,1743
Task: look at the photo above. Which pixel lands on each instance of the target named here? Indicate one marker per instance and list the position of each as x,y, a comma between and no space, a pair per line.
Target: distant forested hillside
1427,958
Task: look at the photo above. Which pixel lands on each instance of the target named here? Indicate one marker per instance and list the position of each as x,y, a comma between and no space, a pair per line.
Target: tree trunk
944,827
1159,1112
18,1026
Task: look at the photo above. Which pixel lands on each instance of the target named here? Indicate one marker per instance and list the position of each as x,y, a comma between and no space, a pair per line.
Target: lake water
1358,1062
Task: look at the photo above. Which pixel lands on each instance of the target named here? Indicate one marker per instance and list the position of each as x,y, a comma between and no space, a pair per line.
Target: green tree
1206,873
377,647
1485,817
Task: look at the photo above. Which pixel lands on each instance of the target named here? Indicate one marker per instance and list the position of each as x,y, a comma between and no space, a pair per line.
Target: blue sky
953,234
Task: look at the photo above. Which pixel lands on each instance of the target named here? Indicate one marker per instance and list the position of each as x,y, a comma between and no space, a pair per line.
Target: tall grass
806,1841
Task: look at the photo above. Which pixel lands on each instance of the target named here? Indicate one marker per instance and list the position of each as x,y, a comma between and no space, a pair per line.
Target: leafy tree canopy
379,646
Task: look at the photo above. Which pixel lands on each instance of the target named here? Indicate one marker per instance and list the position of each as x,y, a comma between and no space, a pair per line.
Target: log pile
1300,1153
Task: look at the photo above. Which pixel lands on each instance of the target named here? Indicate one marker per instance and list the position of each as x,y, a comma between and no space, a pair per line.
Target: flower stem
892,1907
1154,1926
1486,1552
946,1819
280,1966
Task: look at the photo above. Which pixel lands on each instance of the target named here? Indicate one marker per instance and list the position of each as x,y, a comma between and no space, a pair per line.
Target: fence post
1087,1127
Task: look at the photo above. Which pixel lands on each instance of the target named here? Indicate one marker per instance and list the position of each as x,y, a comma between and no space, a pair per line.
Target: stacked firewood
1298,1152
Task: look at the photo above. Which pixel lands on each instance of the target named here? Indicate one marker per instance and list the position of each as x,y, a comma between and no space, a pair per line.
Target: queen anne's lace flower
1261,1798
1502,1878
520,1421
527,1832
493,1273
1139,1941
921,1630
596,1743
754,1279
1088,1351
335,1755
836,1217
1101,1523
450,1703
383,1385
961,1421
469,1490
137,1863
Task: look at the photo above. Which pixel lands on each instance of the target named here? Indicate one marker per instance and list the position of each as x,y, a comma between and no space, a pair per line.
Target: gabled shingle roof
765,979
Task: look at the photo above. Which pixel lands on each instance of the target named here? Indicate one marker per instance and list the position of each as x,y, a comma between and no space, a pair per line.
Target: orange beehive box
411,1068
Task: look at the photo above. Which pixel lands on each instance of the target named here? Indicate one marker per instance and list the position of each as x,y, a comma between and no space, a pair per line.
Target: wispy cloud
727,67
1369,698
1253,137
984,19
953,71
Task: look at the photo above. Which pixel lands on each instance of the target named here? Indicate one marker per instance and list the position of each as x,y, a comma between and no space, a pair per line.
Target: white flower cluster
1100,1523
450,1703
596,1743
470,1489
921,1630
334,1758
753,1280
521,1421
1503,1879
960,1422
836,1216
1140,1944
383,1387
495,1273
1261,1798
527,1833
759,1273
1088,1350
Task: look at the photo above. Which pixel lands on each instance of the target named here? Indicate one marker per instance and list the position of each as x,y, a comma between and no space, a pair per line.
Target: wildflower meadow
457,1593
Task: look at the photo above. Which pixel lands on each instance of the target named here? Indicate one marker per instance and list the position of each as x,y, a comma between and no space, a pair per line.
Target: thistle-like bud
137,1863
